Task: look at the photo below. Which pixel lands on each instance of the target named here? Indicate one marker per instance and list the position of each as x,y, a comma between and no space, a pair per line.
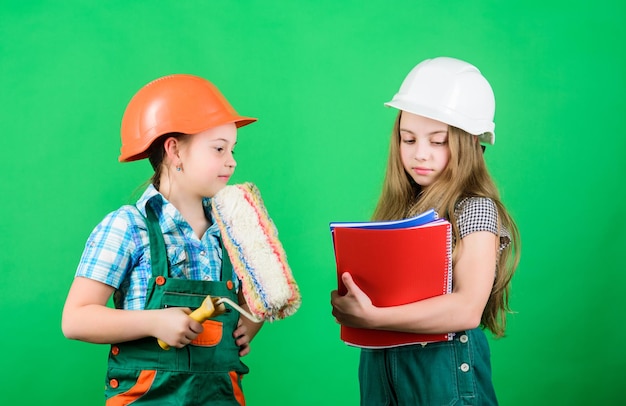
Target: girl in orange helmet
163,255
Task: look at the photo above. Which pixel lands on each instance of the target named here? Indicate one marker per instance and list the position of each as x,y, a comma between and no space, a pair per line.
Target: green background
316,73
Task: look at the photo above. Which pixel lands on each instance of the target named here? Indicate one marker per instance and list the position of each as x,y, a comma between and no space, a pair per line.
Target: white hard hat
451,91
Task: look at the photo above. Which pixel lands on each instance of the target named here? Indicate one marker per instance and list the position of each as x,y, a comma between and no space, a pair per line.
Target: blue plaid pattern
117,252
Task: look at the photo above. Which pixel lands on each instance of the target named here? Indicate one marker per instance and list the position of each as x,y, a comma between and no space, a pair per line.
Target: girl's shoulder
125,220
480,214
476,214
113,247
128,214
475,206
131,214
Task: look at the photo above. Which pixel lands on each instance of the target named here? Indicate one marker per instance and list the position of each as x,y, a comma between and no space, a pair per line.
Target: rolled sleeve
108,254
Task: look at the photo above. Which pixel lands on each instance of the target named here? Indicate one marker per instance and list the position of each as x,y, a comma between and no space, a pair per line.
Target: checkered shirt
117,252
479,214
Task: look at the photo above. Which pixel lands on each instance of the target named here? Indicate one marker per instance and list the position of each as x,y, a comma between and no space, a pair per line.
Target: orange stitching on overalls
237,392
143,384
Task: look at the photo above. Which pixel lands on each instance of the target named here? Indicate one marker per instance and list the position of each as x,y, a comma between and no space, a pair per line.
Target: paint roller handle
209,308
241,311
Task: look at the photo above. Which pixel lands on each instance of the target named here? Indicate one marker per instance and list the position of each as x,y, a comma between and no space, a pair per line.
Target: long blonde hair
465,175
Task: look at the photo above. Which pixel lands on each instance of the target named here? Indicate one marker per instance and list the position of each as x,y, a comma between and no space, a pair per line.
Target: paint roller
258,258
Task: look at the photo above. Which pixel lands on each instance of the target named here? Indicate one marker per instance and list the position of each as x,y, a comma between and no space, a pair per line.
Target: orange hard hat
176,103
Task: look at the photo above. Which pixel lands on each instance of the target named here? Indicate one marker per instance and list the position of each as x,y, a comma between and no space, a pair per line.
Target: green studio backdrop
316,74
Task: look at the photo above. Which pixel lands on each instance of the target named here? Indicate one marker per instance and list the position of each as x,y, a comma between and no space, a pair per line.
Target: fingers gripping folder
259,260
211,307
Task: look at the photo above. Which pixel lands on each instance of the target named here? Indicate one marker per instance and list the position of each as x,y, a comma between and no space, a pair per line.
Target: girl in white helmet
446,109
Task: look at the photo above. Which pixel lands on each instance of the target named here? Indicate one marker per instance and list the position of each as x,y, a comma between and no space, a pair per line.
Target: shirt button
114,383
115,350
464,367
203,253
463,339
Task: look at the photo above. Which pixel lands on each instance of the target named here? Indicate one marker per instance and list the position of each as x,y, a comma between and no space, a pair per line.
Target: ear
171,147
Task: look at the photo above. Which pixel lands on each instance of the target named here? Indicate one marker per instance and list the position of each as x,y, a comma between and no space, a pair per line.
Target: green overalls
206,372
456,372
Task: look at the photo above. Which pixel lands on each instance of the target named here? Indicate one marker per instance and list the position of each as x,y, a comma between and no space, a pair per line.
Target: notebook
417,220
394,263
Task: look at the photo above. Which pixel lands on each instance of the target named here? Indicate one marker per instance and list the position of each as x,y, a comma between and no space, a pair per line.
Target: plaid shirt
480,214
117,252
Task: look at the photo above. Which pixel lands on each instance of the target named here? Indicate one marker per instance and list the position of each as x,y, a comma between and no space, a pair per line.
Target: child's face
423,147
208,161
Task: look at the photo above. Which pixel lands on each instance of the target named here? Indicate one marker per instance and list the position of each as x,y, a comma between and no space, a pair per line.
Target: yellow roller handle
208,308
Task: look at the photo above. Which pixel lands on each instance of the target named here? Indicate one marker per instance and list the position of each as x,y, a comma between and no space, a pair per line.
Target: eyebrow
430,133
222,139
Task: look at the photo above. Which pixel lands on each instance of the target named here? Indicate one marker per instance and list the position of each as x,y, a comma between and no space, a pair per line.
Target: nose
421,151
231,162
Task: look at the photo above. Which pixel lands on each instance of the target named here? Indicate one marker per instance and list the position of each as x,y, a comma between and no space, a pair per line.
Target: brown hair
465,175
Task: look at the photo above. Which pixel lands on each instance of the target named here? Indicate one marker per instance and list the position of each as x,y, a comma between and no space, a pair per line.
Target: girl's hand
355,308
242,339
175,327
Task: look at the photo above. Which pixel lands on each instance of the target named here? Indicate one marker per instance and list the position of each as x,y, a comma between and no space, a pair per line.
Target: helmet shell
179,103
451,91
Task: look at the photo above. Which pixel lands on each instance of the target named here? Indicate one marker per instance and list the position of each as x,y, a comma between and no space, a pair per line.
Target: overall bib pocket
210,336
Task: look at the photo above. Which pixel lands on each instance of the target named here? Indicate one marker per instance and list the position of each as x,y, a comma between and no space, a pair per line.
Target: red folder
394,267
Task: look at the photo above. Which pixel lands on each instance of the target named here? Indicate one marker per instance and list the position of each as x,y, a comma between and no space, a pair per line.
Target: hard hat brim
239,121
484,130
